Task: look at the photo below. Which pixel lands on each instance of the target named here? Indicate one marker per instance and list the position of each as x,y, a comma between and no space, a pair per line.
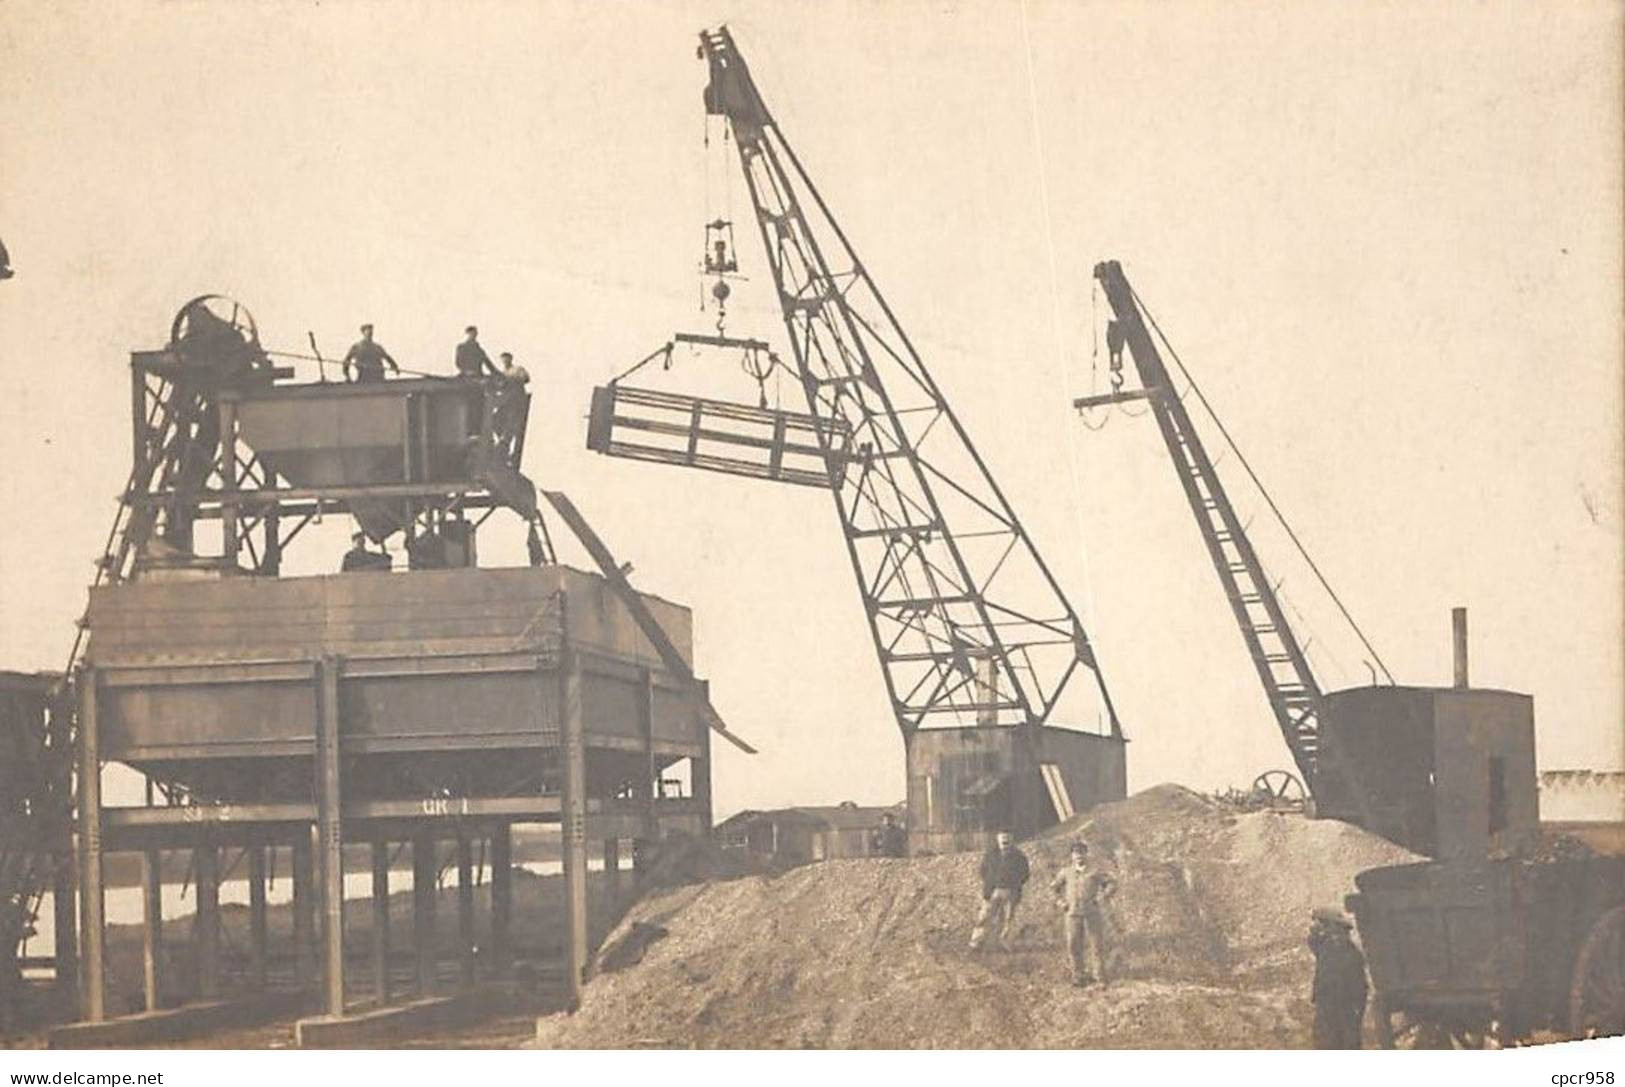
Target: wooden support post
138,418
380,921
258,928
331,844
573,821
465,906
271,561
501,898
206,859
152,925
700,775
424,867
651,781
65,925
228,472
303,905
93,997
612,874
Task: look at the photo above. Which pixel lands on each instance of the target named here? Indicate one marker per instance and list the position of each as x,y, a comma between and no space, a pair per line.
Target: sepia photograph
878,525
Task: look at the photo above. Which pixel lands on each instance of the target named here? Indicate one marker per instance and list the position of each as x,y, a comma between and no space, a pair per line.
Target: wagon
1465,951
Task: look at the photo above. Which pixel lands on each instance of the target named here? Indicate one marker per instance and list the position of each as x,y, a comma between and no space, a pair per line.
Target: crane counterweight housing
977,643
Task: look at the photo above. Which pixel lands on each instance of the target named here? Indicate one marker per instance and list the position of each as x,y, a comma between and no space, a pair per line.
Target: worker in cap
360,558
366,359
1004,873
1080,891
472,361
1339,989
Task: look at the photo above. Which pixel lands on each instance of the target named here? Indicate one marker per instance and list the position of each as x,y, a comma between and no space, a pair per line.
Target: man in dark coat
1340,987
888,839
472,361
366,359
1004,873
360,557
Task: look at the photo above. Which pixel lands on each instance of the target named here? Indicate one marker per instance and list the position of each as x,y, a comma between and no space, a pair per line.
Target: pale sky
1386,238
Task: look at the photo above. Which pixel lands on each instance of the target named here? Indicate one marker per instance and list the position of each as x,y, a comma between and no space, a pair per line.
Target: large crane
1278,655
969,624
968,621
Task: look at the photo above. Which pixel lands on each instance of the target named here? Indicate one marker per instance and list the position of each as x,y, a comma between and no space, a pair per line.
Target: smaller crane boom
1289,684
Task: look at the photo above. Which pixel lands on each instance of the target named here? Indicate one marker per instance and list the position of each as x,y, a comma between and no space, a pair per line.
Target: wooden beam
93,994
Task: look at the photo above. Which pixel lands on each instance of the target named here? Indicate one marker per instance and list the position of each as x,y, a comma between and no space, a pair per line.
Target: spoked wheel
1597,996
1279,789
208,312
214,332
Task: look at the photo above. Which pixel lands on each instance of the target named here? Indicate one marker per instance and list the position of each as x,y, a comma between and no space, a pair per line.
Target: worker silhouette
367,359
361,558
1004,873
1339,989
888,839
472,361
1080,890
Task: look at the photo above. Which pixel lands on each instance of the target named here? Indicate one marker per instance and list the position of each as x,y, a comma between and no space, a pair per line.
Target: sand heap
1206,938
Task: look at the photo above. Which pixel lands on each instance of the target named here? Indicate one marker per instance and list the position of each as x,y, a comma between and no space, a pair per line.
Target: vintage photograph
889,525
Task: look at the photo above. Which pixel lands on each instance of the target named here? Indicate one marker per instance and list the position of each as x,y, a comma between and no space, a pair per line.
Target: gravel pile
1206,938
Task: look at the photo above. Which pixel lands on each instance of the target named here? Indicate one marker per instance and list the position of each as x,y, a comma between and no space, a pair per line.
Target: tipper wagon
1467,951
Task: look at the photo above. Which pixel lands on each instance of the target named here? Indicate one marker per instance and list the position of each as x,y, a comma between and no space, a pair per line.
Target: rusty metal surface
445,681
425,612
363,434
1423,757
1460,941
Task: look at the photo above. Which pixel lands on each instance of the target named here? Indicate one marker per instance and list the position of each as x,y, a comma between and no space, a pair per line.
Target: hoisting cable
1270,501
1106,714
1094,359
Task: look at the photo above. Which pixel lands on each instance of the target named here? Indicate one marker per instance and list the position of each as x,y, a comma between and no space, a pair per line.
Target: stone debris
1205,936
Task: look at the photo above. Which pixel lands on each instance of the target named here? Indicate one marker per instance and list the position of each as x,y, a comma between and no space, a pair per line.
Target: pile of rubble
1206,944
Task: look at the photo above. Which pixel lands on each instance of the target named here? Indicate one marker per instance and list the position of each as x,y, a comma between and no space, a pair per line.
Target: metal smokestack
1458,624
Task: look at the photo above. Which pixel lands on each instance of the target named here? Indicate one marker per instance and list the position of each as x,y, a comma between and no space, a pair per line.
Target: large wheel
214,334
1279,789
1597,996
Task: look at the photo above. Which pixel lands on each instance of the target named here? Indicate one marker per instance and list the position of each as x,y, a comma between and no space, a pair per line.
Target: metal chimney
1458,623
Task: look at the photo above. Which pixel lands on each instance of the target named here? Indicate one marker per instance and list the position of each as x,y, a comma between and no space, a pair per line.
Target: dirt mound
1205,939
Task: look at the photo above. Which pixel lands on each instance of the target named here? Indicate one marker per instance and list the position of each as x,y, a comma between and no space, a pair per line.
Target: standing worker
1340,987
359,557
518,375
1004,873
1080,890
472,361
888,839
368,357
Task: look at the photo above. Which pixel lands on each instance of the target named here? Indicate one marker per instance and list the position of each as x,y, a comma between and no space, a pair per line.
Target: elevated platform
446,677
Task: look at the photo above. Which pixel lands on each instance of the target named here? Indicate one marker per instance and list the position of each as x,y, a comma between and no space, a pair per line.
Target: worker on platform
1004,873
1081,890
359,557
1339,988
472,361
367,358
517,375
888,839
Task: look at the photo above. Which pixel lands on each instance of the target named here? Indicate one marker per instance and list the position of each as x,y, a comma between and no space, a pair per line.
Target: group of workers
1082,891
367,358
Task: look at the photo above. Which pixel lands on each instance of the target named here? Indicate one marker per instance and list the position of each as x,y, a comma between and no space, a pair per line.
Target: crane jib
968,623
